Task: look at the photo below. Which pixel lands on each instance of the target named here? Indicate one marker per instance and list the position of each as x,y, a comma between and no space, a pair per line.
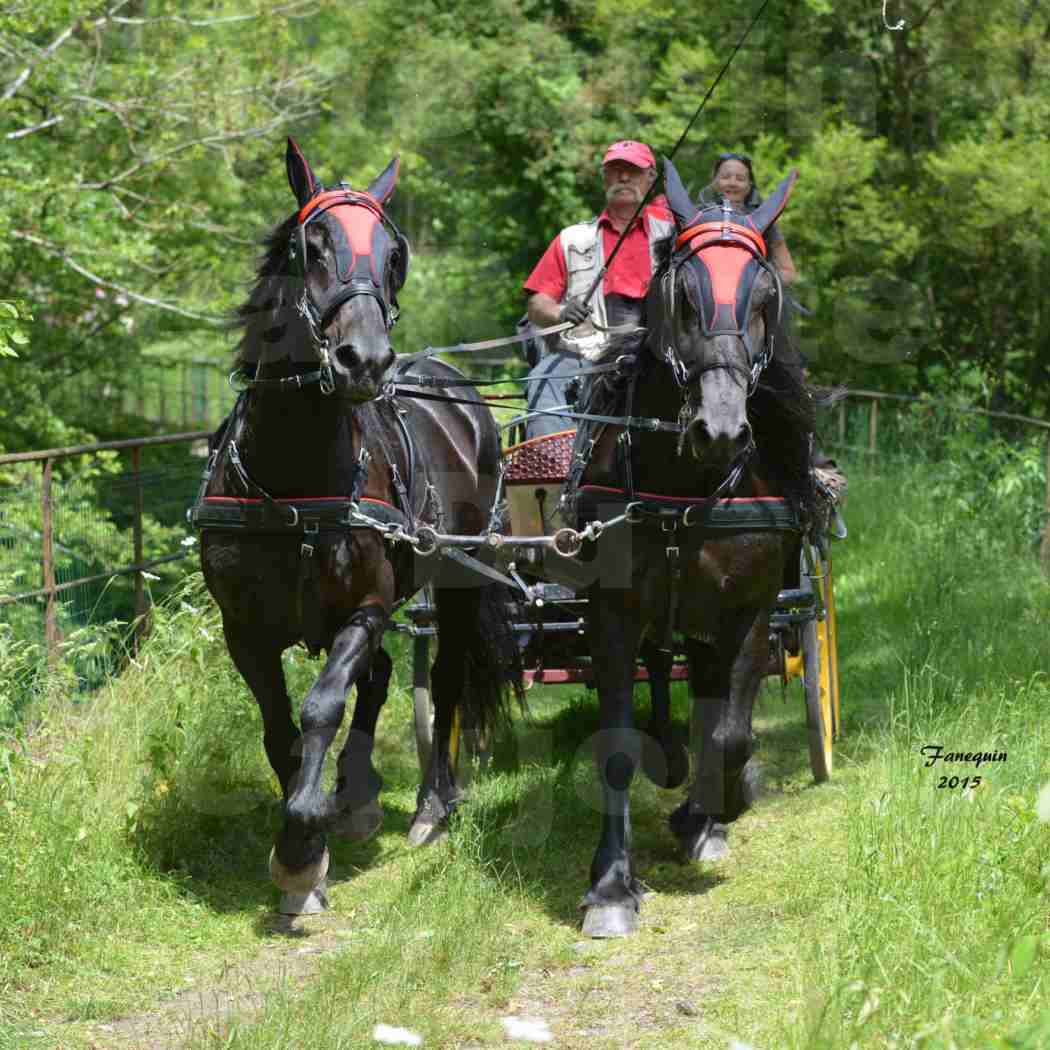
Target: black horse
314,475
720,488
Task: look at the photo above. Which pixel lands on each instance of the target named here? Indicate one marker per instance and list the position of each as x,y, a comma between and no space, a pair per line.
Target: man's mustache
623,188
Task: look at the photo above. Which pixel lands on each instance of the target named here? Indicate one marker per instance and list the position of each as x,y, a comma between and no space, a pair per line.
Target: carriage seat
534,474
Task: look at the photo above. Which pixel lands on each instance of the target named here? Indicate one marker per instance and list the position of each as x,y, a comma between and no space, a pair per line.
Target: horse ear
382,188
769,210
677,195
300,175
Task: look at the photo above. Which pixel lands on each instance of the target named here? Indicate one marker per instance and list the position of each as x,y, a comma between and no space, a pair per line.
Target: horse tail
482,625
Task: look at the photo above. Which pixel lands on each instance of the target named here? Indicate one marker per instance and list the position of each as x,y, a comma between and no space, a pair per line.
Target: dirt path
717,943
235,990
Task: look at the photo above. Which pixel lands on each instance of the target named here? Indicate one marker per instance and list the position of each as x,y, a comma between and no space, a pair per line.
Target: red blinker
725,261
357,221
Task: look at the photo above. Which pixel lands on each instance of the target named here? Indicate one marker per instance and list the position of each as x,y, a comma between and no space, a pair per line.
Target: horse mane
261,314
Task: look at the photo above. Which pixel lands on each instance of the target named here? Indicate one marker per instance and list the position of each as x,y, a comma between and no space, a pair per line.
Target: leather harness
309,518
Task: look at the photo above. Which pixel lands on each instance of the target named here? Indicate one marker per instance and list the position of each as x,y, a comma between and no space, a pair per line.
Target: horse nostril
347,356
743,435
699,431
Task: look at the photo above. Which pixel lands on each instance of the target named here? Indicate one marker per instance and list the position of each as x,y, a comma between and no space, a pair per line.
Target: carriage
550,622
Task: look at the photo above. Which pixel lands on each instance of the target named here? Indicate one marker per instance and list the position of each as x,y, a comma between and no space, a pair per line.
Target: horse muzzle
359,370
717,443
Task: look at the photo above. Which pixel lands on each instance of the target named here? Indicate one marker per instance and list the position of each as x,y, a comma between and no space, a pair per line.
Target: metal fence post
47,555
873,425
136,537
842,422
1044,553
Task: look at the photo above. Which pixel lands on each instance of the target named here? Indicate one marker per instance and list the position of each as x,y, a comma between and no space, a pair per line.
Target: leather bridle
317,320
696,238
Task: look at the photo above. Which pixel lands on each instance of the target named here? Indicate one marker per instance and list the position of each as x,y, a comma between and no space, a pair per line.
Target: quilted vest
584,256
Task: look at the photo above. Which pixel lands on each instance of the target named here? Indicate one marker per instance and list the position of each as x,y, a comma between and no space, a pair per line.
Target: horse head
719,301
352,261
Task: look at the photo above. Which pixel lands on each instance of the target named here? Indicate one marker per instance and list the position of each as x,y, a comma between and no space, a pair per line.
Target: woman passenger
734,178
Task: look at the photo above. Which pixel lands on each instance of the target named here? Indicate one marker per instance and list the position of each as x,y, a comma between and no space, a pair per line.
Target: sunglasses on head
742,157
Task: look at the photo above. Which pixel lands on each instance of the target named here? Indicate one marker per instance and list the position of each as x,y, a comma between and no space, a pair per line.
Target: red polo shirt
630,272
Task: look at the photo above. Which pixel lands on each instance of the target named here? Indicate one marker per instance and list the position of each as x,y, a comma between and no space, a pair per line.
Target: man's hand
573,310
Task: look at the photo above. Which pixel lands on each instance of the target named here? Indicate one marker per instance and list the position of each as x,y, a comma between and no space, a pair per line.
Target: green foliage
940,615
148,147
13,319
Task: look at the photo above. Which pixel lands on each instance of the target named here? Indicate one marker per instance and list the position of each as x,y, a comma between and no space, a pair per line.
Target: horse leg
299,861
358,783
259,665
438,792
724,693
611,904
669,767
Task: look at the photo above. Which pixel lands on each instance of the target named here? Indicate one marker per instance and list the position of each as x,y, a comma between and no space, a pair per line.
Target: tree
136,136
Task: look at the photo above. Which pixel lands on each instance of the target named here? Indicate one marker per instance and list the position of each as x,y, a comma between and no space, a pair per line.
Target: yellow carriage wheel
833,651
817,679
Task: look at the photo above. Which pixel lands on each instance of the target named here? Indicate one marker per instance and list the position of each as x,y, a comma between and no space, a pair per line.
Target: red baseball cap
636,153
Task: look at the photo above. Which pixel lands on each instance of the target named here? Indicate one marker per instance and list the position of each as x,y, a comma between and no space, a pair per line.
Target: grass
875,911
944,937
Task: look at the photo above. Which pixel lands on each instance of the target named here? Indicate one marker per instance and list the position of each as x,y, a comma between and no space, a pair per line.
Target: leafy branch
68,260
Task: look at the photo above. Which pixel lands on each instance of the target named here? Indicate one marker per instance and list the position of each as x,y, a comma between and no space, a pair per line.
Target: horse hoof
425,833
610,920
302,881
361,824
312,903
712,844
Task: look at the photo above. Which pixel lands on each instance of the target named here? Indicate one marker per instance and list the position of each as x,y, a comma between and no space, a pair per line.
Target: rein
240,380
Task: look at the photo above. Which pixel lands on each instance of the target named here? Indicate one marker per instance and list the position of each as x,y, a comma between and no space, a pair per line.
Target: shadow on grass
221,859
534,821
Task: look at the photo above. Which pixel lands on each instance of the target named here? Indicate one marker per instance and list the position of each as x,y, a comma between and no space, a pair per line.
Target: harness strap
510,340
710,515
395,475
296,382
674,566
324,515
634,422
307,593
626,450
623,362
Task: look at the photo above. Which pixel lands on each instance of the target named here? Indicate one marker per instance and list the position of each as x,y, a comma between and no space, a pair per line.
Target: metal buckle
306,550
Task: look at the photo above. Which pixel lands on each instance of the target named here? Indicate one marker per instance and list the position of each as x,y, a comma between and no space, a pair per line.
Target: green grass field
878,910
